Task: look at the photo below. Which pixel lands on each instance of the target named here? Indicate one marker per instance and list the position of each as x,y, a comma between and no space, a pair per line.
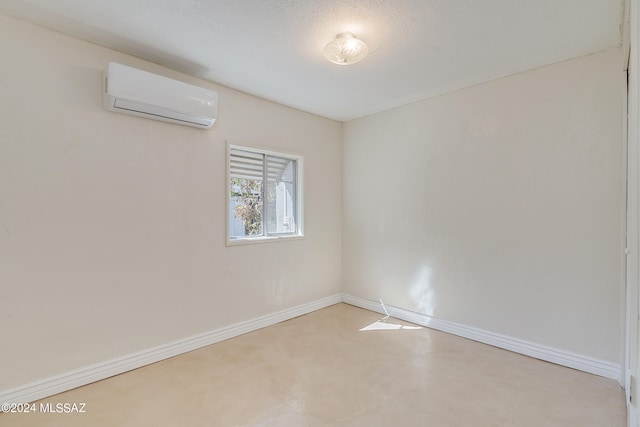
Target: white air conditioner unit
131,91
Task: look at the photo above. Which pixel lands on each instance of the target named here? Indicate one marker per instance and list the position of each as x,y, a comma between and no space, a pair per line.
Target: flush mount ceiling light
345,49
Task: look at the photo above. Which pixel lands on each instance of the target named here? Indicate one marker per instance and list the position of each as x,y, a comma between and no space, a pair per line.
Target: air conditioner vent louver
132,91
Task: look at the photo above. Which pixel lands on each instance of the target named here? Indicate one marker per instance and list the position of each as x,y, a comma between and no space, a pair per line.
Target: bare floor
323,369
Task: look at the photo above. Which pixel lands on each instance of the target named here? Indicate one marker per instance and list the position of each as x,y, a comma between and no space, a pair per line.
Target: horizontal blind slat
276,167
246,165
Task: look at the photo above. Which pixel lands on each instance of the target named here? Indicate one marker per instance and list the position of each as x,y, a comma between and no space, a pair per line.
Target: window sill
262,239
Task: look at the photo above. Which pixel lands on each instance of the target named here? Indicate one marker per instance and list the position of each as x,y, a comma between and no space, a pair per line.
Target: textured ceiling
273,48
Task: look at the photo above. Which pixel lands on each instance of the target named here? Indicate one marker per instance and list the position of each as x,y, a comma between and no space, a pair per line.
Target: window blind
251,165
245,164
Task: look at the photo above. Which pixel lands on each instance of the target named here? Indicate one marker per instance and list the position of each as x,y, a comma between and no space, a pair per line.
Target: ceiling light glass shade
345,49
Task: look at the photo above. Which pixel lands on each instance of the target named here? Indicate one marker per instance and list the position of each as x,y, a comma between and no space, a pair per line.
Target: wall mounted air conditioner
131,91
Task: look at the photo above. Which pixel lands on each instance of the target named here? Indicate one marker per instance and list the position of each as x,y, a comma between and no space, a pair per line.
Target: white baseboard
559,357
69,380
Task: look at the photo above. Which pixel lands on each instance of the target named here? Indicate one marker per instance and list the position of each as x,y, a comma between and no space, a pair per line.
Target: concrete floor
323,370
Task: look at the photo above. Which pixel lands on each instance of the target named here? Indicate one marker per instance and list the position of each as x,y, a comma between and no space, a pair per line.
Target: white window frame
299,234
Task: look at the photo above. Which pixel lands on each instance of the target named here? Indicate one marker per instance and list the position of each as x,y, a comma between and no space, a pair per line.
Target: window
264,195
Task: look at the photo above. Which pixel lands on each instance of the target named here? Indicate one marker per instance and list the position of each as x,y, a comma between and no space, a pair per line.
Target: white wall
112,227
499,206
